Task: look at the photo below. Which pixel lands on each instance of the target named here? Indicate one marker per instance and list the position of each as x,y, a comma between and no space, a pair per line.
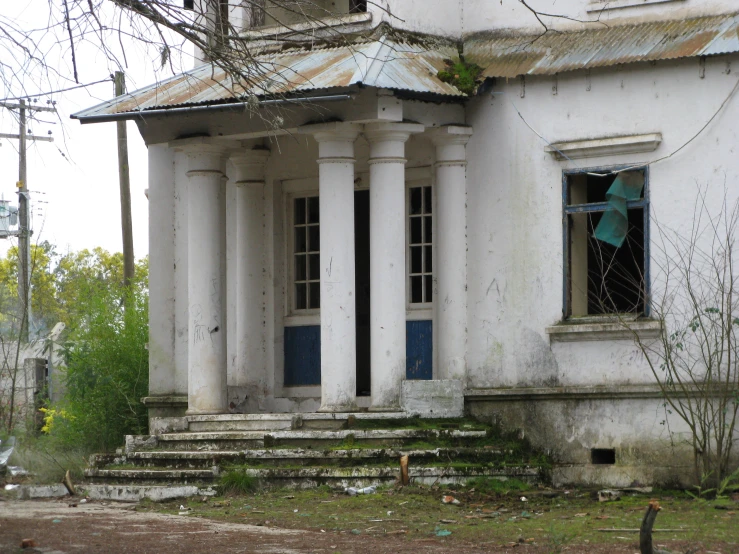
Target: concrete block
433,399
159,425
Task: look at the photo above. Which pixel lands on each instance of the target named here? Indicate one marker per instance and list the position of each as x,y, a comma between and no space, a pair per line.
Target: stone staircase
308,450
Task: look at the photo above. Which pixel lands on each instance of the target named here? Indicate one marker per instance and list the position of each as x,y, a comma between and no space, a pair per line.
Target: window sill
606,328
355,21
598,6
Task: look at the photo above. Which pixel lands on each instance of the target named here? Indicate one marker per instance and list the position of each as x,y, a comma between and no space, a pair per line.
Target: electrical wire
616,171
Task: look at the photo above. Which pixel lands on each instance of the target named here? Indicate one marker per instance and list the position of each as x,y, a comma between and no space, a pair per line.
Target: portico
241,230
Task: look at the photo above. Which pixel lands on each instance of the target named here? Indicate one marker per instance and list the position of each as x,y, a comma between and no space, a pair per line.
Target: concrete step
182,476
308,477
285,421
364,476
182,459
236,440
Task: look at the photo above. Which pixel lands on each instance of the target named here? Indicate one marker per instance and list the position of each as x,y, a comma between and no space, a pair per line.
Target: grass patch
567,522
489,485
237,481
47,460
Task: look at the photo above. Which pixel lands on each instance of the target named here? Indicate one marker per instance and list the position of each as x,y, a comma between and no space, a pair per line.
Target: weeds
237,481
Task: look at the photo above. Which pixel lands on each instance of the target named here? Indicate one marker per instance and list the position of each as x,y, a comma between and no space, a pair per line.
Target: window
606,242
306,254
357,6
420,243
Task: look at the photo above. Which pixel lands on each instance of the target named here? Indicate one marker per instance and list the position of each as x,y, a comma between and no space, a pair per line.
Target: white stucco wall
461,17
515,204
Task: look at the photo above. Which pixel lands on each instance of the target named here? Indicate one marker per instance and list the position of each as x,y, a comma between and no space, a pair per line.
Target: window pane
427,259
315,296
415,202
300,239
427,200
300,296
314,265
416,265
416,230
427,229
300,267
416,290
313,209
299,211
428,288
314,239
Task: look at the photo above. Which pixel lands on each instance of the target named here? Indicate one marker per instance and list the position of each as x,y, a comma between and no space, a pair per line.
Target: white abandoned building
371,237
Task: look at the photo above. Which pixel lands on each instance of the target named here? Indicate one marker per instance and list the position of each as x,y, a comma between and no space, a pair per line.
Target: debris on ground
28,543
606,495
449,500
353,491
5,451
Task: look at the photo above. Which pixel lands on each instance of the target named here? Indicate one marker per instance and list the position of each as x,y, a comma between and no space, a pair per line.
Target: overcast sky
74,180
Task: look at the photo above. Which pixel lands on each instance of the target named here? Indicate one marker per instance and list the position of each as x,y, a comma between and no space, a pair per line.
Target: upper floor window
606,218
258,13
420,245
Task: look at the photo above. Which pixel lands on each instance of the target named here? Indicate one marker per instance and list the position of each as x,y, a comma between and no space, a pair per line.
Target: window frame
419,310
568,209
292,310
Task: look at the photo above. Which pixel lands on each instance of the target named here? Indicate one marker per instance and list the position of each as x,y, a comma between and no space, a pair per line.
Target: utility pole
24,212
125,185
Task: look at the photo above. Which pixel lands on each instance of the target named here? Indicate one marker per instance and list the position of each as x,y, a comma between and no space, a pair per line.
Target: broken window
306,254
606,247
420,245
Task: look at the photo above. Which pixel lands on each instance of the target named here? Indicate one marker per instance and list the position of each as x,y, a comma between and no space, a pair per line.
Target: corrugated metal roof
555,52
381,63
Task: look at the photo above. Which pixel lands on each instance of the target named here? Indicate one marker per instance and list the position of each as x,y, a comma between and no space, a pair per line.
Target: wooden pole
123,177
24,236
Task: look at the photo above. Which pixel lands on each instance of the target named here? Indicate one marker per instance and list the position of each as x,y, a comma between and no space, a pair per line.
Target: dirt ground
58,528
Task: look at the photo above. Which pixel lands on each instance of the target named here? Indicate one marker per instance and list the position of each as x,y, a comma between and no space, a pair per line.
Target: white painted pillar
387,260
205,279
161,271
450,303
249,286
338,301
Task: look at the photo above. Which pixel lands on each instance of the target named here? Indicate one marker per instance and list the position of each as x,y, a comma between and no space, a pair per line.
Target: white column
387,260
338,301
249,285
205,279
161,271
450,302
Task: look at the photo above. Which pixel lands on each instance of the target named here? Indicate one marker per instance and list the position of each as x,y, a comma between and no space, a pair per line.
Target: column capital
386,131
249,165
204,156
450,134
336,131
450,142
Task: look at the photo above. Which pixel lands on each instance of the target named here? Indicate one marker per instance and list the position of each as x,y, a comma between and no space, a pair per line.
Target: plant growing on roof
461,74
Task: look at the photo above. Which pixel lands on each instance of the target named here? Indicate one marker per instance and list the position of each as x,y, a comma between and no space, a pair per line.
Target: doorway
362,289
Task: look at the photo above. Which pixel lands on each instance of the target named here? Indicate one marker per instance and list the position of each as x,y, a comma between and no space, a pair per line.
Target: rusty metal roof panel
509,55
381,63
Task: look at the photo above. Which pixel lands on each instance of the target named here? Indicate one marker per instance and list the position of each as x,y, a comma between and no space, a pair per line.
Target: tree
80,289
695,358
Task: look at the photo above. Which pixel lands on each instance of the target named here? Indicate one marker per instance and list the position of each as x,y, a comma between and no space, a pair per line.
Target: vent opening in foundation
603,456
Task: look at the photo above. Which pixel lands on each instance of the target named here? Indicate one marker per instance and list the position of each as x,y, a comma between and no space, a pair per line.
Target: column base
338,409
205,412
380,409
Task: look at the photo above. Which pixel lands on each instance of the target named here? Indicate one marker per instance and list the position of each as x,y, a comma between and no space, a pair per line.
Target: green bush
107,370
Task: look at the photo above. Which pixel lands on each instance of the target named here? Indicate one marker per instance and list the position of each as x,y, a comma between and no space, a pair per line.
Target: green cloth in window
614,224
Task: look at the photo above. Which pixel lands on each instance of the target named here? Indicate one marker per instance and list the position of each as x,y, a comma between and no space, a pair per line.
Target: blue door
419,350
